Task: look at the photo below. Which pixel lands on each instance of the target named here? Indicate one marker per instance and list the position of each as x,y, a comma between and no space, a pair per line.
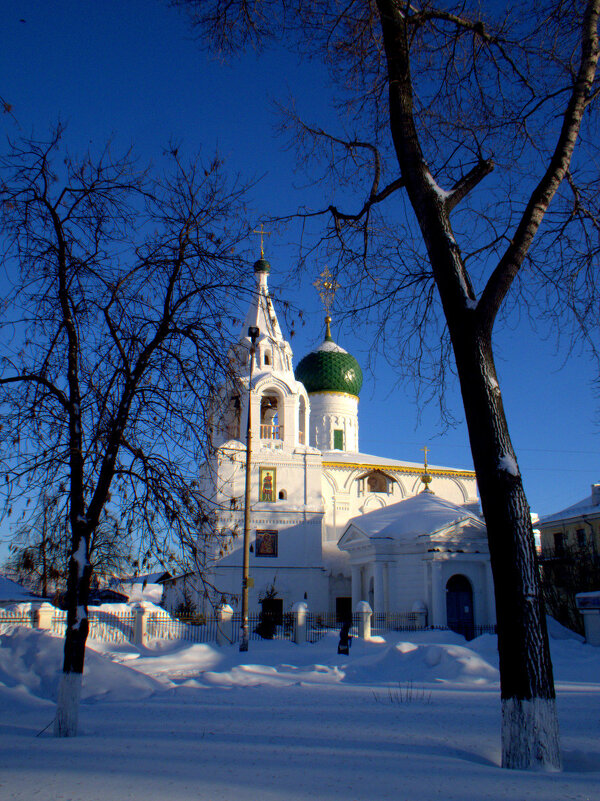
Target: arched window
232,419
267,357
269,417
302,421
282,495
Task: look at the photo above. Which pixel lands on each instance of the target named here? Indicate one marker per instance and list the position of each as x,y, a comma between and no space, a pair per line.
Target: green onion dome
262,266
330,368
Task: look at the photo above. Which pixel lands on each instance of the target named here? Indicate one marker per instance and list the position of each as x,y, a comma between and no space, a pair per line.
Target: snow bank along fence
300,625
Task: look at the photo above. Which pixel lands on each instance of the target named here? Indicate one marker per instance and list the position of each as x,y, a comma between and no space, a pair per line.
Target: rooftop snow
425,513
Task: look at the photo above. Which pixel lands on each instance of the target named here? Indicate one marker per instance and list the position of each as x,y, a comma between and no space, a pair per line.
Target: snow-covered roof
355,459
422,514
11,591
587,506
146,578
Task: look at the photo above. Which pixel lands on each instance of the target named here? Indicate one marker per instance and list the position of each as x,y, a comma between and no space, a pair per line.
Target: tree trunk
69,691
529,721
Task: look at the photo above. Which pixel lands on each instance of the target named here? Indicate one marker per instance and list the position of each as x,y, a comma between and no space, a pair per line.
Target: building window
559,543
282,495
266,543
267,484
338,439
580,533
267,357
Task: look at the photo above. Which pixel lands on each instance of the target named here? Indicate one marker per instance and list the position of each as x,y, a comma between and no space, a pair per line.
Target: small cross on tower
262,233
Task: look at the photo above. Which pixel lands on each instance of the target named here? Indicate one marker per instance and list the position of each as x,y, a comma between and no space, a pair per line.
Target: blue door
459,606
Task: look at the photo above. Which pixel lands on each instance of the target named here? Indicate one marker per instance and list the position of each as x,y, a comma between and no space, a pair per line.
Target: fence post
299,611
139,624
420,612
43,616
365,613
224,624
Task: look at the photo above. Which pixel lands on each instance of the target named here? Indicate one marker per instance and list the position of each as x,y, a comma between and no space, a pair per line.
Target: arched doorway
459,606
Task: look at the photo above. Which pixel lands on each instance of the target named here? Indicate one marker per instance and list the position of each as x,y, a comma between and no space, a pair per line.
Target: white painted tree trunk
530,734
67,705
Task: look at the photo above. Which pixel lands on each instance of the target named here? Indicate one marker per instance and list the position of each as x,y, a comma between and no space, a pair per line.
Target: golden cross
262,234
426,478
326,286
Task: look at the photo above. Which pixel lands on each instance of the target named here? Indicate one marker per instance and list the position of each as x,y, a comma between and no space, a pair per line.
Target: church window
302,421
282,495
267,484
269,418
377,482
267,543
233,417
338,439
267,357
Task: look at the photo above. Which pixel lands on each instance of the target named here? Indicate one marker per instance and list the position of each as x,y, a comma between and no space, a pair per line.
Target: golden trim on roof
416,470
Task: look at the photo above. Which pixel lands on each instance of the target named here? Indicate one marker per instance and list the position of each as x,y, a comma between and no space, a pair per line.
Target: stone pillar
356,585
438,596
299,611
378,588
224,624
139,624
364,612
43,616
420,612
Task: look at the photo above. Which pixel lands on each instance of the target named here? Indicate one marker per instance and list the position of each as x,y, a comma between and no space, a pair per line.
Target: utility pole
253,333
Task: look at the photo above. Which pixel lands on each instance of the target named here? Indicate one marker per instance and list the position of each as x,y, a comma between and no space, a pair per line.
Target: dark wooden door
459,606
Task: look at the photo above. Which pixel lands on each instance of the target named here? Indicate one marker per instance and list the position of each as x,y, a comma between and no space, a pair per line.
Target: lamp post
253,333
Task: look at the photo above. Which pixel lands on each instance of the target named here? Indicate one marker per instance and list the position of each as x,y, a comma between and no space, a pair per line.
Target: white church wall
408,585
291,584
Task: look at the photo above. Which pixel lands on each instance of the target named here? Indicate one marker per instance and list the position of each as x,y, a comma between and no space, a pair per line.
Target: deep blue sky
130,70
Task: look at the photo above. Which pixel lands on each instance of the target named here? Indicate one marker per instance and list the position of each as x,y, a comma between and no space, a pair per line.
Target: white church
330,525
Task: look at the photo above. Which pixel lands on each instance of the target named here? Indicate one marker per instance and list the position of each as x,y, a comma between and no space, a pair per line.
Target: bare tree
460,128
39,548
114,337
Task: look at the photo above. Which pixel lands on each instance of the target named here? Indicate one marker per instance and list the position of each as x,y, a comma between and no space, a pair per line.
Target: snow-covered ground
414,717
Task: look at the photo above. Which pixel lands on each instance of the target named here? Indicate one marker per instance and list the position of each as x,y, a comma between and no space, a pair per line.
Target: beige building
572,529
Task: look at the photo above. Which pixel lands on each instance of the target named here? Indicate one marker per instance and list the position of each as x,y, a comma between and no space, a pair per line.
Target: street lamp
253,333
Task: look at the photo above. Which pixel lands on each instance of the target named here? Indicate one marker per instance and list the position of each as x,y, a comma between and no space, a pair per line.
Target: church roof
367,461
330,368
419,515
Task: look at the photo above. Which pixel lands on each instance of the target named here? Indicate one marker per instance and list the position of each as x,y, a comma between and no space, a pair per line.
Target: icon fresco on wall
267,484
266,543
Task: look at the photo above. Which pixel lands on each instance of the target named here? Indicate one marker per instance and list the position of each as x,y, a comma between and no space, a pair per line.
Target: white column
139,624
438,596
356,585
224,624
378,588
299,611
364,620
